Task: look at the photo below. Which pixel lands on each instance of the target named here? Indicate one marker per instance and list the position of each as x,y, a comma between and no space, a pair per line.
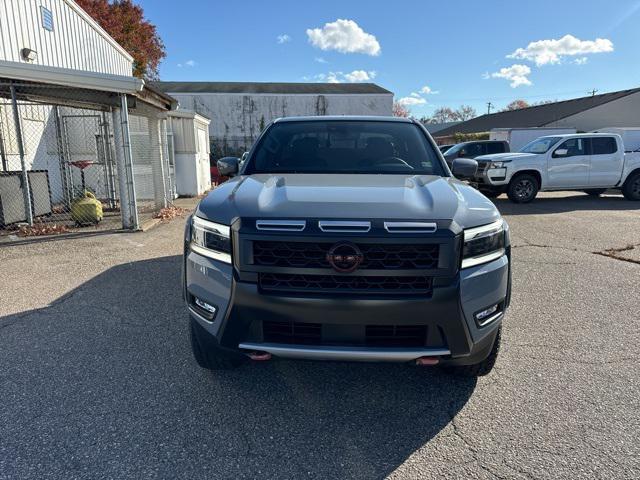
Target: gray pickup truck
347,238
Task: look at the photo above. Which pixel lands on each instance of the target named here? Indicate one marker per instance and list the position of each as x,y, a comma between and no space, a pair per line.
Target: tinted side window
496,147
474,150
574,147
603,145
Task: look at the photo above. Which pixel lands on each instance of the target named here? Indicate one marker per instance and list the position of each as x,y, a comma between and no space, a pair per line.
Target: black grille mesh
296,333
280,282
376,256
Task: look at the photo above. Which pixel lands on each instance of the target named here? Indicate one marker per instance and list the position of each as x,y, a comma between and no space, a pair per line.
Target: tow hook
259,356
427,361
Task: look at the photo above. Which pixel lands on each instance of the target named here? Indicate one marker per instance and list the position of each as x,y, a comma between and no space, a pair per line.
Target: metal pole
128,160
64,171
157,166
3,155
106,156
26,191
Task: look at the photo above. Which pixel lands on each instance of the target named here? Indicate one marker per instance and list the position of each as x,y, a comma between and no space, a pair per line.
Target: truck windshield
345,146
540,145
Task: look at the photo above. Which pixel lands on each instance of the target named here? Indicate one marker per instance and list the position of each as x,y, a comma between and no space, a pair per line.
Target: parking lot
97,378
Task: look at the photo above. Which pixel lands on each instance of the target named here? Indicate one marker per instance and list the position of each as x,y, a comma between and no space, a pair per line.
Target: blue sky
456,49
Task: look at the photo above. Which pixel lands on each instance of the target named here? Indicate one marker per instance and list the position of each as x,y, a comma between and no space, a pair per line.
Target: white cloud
320,60
517,74
411,101
359,76
332,77
545,52
345,36
427,90
581,60
188,63
415,95
341,77
284,38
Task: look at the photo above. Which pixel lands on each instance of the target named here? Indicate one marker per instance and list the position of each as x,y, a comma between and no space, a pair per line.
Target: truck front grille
297,333
376,256
347,284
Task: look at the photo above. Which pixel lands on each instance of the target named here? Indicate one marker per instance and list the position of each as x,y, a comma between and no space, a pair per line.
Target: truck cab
592,162
474,149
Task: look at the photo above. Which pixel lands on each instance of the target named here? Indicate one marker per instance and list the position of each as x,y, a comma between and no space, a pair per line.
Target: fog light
485,316
205,306
202,308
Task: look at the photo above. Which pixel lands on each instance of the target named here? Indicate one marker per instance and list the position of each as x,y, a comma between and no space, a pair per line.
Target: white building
67,101
240,110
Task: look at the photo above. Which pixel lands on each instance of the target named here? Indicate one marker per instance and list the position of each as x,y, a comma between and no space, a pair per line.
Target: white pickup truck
591,162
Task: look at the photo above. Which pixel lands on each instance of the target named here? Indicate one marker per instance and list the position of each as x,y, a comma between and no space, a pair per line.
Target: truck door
568,164
606,162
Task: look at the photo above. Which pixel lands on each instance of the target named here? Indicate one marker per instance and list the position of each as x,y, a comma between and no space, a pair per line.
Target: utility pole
593,92
489,107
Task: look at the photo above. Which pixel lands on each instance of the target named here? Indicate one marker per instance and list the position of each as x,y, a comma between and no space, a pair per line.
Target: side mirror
464,168
561,152
228,166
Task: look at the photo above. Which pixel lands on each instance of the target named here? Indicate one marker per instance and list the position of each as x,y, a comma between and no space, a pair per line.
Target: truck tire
523,188
478,369
595,192
631,187
208,355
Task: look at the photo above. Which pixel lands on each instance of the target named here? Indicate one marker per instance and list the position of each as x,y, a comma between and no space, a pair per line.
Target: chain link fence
70,160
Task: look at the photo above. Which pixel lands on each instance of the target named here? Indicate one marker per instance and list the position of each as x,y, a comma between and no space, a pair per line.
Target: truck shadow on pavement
102,383
572,202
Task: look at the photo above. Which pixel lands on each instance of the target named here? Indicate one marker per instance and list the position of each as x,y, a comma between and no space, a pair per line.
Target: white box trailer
630,136
519,137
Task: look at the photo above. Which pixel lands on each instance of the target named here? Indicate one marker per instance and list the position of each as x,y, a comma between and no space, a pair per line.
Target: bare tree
516,105
443,115
465,112
400,110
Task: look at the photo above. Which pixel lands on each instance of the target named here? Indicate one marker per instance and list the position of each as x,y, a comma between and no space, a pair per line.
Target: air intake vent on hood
281,225
410,227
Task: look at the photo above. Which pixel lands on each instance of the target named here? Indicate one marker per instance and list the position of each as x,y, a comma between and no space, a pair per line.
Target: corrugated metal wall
237,120
73,43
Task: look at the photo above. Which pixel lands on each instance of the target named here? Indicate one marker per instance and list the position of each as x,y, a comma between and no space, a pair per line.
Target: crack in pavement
613,253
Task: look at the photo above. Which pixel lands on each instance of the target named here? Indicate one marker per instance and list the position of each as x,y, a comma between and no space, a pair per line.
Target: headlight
211,239
483,244
497,164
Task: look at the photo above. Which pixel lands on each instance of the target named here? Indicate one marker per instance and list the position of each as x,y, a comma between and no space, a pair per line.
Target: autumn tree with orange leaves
125,22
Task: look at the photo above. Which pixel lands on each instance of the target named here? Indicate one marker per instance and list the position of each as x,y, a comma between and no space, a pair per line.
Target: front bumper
453,334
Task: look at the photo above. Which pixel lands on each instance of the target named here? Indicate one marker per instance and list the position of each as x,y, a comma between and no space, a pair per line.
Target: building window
47,18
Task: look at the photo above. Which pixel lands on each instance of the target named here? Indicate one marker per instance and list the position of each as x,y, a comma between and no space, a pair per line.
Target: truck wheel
478,369
523,188
631,187
595,192
207,354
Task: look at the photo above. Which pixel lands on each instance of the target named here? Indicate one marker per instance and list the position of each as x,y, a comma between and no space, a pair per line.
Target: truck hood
289,196
503,157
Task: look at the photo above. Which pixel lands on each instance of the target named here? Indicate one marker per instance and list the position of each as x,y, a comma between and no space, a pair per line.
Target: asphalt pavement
97,378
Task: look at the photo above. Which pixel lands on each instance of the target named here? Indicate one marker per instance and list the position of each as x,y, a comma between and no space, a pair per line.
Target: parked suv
474,149
347,238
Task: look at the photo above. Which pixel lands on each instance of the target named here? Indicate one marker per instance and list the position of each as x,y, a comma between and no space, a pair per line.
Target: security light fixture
28,55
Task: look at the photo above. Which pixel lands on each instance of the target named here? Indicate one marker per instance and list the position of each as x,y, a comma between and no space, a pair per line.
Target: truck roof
324,118
563,135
